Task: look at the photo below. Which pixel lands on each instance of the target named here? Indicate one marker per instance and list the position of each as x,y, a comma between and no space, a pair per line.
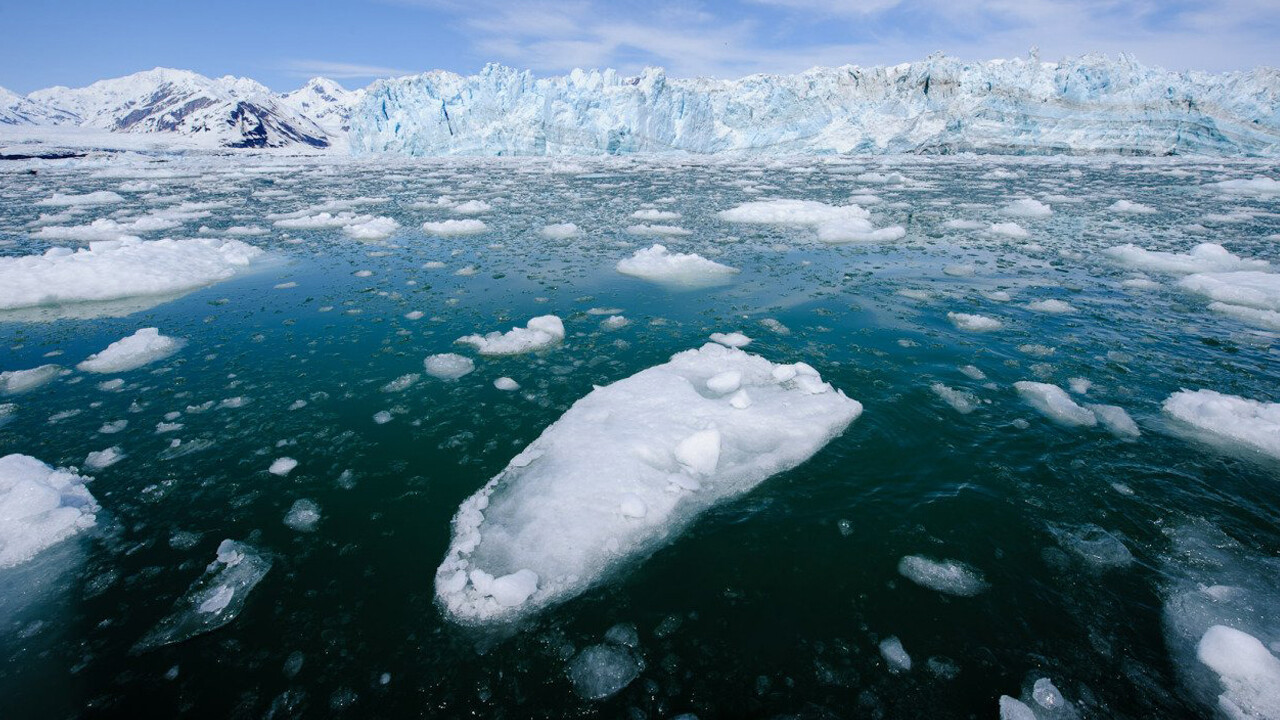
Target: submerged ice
550,524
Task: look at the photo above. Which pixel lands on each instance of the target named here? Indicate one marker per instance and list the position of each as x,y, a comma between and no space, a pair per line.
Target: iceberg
1088,104
550,525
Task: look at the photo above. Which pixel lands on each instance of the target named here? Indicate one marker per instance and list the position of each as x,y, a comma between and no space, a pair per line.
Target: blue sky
281,43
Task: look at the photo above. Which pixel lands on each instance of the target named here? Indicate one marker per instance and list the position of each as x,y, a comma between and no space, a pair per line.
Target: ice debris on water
950,577
539,333
448,366
895,655
130,353
660,265
552,525
303,515
214,599
13,382
1235,420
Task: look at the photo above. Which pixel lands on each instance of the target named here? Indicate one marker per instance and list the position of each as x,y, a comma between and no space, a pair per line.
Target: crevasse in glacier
1091,104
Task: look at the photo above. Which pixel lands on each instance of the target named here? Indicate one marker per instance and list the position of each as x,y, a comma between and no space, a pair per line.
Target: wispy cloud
341,70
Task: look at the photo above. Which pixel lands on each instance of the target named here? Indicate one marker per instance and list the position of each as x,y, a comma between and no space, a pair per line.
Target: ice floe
833,224
539,333
130,353
1229,418
670,443
1203,258
13,382
119,269
39,507
448,366
455,228
658,264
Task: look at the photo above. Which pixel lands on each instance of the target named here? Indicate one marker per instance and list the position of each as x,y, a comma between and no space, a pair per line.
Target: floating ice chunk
1116,421
601,671
105,229
974,323
1203,258
130,353
657,264
1260,186
553,513
1053,307
560,231
834,224
113,427
1028,208
101,197
282,466
1250,674
1124,206
382,417
964,225
539,333
658,230
39,507
961,401
506,383
213,600
374,228
1009,229
19,381
472,207
733,339
950,577
1249,288
1047,696
1014,709
120,269
893,653
103,458
455,228
1269,319
1054,403
614,322
303,515
1079,386
448,366
1227,417
402,383
1097,547
652,215
973,373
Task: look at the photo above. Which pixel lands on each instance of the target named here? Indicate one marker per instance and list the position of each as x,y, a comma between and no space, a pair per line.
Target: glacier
1088,105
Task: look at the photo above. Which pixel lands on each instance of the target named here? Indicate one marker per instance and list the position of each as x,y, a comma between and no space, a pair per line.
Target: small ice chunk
39,507
506,383
973,372
1099,548
448,366
214,599
700,452
601,671
1047,696
382,417
1116,421
371,228
657,264
1054,403
961,401
1014,709
1028,208
974,323
560,231
893,653
1133,208
950,577
303,515
1250,288
104,458
514,589
1009,229
402,383
282,466
455,228
141,348
1079,386
1054,307
20,381
472,207
733,339
538,334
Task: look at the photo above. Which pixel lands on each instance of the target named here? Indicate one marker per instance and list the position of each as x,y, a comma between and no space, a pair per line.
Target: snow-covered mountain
18,110
1091,104
326,103
224,112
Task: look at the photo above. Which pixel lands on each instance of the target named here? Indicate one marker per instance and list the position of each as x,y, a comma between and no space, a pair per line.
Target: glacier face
1091,104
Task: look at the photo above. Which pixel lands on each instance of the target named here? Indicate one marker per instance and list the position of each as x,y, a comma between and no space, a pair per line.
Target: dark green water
771,605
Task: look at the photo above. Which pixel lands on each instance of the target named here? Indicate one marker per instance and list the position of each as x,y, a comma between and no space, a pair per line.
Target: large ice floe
130,353
1228,419
657,264
676,441
834,224
538,334
214,599
39,507
120,269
